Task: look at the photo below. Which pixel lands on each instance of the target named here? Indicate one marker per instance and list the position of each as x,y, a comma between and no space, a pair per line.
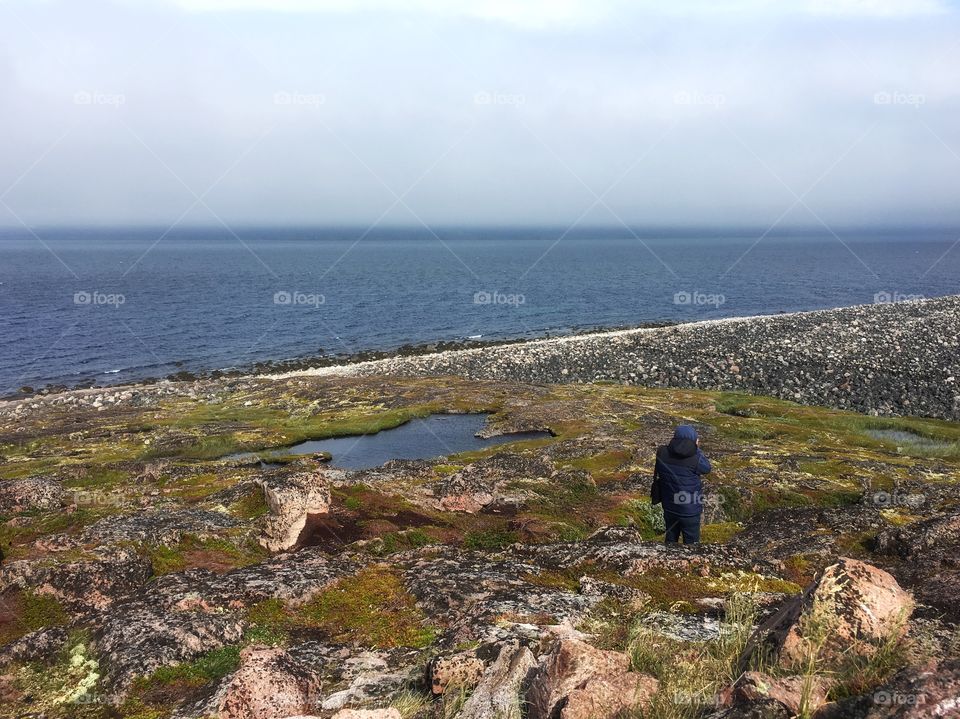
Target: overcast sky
491,112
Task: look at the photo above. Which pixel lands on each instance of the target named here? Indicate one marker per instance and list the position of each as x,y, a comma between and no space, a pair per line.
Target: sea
107,306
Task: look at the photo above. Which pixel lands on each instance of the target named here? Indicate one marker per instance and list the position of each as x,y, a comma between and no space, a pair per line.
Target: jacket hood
684,442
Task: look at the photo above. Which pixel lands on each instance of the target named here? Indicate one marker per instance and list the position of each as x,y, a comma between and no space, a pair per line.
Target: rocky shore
889,359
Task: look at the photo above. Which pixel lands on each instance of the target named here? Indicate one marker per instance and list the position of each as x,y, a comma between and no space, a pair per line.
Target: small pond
438,435
903,437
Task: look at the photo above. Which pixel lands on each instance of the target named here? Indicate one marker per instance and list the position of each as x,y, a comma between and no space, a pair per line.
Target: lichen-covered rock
81,586
457,671
492,482
291,499
851,606
578,681
931,553
268,684
160,527
21,495
38,646
497,696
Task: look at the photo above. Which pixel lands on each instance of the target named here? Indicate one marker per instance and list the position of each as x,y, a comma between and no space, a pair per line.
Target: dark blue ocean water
118,305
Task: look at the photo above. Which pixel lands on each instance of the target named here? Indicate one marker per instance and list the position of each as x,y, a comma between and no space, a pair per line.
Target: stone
269,684
856,605
454,671
497,696
291,500
754,687
21,495
596,681
368,714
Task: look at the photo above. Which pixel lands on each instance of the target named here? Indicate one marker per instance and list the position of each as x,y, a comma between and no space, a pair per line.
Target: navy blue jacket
676,475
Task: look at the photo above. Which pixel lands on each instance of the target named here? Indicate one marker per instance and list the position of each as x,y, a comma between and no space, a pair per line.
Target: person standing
678,486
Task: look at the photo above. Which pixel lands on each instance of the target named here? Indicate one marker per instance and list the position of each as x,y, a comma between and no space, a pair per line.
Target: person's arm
704,466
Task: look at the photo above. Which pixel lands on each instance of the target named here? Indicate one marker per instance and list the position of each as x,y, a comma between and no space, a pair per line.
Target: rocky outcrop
578,681
291,500
492,483
851,606
368,714
82,586
931,553
21,495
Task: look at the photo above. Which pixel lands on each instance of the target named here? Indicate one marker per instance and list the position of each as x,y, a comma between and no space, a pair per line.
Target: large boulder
22,495
268,684
851,605
578,681
291,500
497,696
458,671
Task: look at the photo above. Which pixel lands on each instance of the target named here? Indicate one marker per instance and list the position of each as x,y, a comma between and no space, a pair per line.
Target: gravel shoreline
891,359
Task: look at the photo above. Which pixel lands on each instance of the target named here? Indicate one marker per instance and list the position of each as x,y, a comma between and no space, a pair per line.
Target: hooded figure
677,484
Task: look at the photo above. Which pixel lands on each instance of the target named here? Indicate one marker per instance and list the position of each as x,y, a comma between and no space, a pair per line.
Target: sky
413,112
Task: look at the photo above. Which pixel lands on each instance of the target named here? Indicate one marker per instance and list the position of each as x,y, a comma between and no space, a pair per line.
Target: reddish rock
454,671
497,696
858,605
754,688
367,714
268,685
578,681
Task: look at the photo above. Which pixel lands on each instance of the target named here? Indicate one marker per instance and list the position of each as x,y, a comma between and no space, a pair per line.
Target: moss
27,611
720,533
371,608
252,505
490,539
604,466
210,667
205,552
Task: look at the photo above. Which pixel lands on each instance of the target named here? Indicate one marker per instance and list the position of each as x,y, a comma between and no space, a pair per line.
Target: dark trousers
678,524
